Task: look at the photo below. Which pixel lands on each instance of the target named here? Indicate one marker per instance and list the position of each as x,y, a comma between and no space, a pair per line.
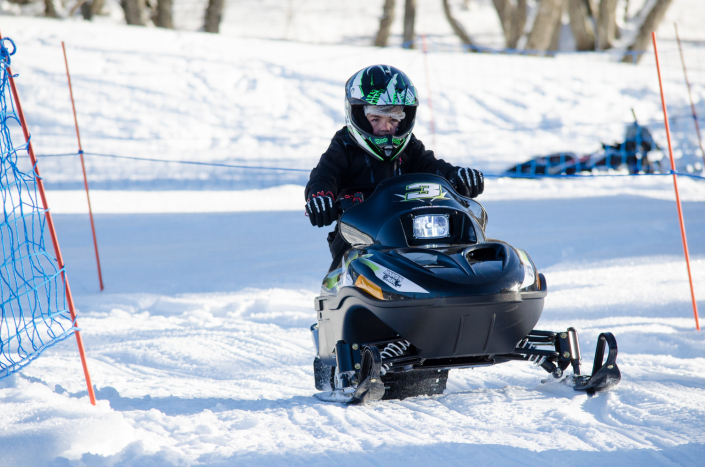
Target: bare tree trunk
518,23
214,13
89,8
86,11
97,7
581,25
650,24
590,7
544,25
133,11
557,28
606,23
505,12
385,23
513,20
163,16
409,20
457,27
49,10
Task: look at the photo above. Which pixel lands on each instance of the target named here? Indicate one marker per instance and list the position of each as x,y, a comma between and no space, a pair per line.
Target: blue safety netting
34,314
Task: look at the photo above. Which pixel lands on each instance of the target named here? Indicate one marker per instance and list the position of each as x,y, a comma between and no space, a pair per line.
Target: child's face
383,125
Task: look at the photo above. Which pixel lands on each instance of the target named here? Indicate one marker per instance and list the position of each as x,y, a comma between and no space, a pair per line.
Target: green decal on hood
355,254
370,264
423,191
332,279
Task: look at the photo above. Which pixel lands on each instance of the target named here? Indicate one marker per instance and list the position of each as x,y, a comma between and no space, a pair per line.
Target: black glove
468,182
321,210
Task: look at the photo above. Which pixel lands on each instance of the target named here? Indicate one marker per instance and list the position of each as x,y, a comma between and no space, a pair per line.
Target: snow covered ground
199,345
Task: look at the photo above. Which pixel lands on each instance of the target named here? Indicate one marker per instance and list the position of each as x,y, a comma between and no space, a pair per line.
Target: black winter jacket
345,168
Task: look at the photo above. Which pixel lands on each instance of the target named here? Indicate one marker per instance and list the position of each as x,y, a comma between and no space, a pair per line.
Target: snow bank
40,423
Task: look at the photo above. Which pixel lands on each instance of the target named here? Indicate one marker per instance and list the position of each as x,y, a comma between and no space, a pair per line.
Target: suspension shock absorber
393,349
541,361
575,356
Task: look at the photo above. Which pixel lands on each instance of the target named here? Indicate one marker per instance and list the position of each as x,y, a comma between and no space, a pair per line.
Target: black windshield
378,218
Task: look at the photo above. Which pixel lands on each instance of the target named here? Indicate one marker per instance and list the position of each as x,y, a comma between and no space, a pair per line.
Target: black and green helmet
380,85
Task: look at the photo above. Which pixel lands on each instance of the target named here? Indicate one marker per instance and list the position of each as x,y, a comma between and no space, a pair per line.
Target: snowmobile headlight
431,226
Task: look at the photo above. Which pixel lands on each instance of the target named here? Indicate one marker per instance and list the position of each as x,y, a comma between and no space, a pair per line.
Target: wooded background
529,26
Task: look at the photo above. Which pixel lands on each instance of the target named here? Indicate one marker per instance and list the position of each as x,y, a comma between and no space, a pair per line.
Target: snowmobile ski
604,374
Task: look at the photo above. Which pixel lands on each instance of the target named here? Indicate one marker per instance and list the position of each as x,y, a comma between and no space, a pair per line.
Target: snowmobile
422,290
639,153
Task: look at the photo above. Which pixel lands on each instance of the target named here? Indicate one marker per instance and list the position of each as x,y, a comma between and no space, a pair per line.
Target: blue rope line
589,175
212,164
57,155
488,174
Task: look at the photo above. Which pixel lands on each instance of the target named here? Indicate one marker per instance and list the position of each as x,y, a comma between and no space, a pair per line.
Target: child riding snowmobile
377,143
415,287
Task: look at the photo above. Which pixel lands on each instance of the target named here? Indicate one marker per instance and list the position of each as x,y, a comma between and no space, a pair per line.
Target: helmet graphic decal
391,91
355,90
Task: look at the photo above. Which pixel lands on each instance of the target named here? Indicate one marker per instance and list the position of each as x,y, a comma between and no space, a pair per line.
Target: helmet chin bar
388,147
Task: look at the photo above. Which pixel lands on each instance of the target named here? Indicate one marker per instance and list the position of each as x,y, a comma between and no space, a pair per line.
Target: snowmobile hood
484,269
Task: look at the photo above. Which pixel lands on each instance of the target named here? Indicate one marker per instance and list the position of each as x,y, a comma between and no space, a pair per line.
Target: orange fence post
690,94
83,166
675,185
52,231
428,86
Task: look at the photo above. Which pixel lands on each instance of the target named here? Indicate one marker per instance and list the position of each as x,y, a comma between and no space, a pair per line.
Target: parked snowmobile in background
423,291
639,153
560,163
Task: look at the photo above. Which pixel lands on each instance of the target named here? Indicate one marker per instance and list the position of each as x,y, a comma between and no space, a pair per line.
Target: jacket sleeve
327,177
421,160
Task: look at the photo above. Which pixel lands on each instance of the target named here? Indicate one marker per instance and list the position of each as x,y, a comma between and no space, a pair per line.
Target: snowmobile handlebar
348,201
